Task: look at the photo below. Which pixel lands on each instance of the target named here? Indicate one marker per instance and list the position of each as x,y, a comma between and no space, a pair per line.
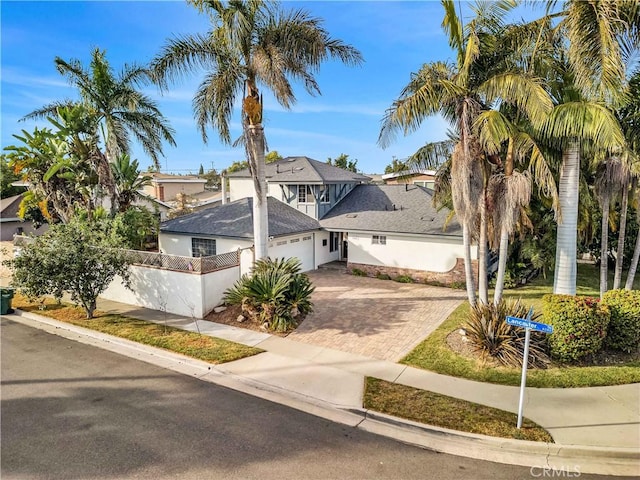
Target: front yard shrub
580,326
403,279
358,273
275,293
491,336
624,328
382,276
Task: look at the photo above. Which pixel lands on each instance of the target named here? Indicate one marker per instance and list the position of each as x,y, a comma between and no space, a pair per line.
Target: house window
305,194
379,239
324,193
203,247
304,239
294,240
333,241
283,242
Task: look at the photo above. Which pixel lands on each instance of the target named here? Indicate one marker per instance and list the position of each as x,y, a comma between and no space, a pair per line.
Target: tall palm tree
601,35
252,45
460,93
121,110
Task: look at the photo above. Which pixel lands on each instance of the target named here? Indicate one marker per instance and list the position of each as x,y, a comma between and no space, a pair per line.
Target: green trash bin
6,294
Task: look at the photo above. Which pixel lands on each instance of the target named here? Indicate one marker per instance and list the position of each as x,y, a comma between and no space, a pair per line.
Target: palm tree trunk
255,149
564,280
631,274
604,246
483,287
621,235
502,265
468,266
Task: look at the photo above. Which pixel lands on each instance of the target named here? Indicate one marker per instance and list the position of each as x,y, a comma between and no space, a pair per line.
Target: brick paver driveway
376,318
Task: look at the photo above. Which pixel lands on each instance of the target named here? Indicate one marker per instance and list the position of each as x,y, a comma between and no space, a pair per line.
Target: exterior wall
180,293
9,228
410,179
425,259
176,244
323,255
454,277
171,190
240,188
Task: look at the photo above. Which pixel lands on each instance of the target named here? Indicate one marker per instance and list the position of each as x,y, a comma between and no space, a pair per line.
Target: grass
447,412
434,354
209,349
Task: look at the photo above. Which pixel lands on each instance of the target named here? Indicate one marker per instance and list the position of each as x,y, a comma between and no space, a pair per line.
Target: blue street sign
524,323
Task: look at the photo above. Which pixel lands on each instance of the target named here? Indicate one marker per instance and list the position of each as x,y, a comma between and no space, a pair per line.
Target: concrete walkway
605,419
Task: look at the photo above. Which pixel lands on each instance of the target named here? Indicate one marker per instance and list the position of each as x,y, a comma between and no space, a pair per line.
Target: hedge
624,329
579,323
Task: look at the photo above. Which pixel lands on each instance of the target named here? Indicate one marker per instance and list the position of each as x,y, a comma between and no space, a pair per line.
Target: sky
395,38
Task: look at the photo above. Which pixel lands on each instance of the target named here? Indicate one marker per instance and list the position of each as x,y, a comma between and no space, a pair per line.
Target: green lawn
435,355
202,347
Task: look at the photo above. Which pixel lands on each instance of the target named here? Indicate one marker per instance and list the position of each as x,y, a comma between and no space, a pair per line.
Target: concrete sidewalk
604,422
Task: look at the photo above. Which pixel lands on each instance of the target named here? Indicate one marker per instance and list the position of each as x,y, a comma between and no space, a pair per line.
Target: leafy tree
77,258
120,108
272,156
212,177
7,177
237,166
396,166
252,45
135,225
342,161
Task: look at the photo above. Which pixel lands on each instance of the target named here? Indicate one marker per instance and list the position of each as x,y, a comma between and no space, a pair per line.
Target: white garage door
300,247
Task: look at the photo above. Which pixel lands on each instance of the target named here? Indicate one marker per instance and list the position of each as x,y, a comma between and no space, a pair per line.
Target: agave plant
275,293
491,336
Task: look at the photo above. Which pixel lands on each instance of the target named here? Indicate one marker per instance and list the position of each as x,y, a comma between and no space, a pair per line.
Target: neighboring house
424,178
166,187
11,224
153,205
320,213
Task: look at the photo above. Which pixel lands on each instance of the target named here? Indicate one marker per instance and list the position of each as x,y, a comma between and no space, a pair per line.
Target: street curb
555,458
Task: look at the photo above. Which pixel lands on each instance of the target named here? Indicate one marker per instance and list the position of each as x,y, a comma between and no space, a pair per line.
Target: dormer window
324,193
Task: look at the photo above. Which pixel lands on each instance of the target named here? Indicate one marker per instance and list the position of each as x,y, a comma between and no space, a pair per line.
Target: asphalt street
73,411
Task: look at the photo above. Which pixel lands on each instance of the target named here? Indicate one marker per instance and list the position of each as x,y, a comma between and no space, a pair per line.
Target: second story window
305,194
324,193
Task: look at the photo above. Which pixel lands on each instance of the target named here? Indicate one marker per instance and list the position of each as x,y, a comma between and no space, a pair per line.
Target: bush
624,329
358,273
403,279
492,336
382,276
275,293
579,323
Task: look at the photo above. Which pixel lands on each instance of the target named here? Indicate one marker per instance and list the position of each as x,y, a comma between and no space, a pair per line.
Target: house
423,177
320,213
165,187
11,224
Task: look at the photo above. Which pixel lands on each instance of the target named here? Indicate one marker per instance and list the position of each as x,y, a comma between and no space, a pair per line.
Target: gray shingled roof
371,208
235,219
304,170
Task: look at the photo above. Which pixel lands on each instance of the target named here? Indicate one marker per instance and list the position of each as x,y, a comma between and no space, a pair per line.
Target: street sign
528,325
525,323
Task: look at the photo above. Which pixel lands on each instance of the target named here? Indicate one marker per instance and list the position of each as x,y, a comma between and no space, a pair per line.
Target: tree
460,92
272,156
7,177
600,37
396,166
252,45
237,166
128,181
76,258
120,108
201,171
342,161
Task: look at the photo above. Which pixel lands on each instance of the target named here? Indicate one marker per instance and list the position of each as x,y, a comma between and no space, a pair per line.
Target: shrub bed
580,326
624,328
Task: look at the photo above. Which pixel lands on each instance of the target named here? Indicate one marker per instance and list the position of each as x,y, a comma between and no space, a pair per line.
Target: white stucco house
320,213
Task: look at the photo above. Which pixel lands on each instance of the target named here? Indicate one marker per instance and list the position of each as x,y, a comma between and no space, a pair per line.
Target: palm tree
601,36
128,181
120,109
460,93
252,44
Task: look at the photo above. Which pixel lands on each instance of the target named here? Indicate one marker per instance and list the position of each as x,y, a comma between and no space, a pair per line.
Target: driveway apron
381,319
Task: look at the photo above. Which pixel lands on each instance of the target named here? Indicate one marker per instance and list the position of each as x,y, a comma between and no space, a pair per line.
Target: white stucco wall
180,293
175,244
433,254
240,188
300,246
323,255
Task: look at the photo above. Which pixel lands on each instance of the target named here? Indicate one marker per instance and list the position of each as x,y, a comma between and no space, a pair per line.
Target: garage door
300,247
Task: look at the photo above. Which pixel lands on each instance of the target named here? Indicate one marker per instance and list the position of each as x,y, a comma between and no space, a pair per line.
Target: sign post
528,325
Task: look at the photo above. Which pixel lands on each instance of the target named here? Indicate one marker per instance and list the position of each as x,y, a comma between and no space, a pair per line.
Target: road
73,411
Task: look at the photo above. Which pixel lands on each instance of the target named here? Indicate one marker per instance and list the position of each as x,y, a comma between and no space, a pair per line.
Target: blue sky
395,38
